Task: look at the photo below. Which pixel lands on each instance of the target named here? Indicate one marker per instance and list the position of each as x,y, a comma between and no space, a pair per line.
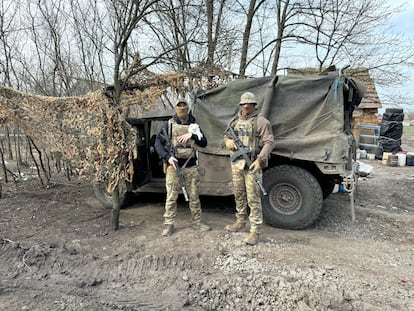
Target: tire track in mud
111,283
51,261
137,268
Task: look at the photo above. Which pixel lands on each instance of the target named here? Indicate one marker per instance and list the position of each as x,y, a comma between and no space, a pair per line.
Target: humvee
311,118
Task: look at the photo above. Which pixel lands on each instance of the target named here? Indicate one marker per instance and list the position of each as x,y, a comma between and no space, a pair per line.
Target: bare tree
332,27
355,33
8,39
286,25
213,28
177,26
125,18
250,14
267,26
47,30
90,39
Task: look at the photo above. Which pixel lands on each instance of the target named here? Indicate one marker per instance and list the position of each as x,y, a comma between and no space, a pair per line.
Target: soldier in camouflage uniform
184,134
255,132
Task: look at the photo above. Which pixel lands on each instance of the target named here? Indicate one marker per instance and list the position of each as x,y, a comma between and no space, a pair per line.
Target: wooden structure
367,111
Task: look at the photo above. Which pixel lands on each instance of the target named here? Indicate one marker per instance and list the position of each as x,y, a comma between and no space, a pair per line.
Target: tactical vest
246,130
184,151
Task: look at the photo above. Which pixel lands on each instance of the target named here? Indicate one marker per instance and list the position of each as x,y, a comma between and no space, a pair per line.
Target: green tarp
306,113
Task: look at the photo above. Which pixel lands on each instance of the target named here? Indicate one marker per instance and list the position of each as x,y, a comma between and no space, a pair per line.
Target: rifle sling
186,161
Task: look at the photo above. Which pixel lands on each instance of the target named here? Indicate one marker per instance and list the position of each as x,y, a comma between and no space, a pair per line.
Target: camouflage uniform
186,154
192,180
255,133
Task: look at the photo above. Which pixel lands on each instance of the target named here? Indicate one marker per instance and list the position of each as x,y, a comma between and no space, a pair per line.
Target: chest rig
246,130
184,151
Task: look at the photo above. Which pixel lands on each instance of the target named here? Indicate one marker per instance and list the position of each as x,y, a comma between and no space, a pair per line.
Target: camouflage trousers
247,194
191,177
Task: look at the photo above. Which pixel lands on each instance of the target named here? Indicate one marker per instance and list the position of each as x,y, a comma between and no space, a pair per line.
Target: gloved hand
230,144
255,166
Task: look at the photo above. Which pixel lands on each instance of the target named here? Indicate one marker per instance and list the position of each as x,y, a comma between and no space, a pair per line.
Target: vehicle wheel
294,199
125,194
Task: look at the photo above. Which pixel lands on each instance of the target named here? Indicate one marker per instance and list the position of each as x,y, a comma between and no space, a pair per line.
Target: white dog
194,128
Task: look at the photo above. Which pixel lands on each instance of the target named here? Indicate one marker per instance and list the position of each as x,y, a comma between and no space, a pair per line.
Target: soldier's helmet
248,98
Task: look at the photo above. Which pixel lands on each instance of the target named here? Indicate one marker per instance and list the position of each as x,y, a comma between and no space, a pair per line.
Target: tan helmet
248,98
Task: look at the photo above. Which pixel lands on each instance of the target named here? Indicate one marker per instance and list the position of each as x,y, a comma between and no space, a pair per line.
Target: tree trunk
9,143
246,37
115,209
3,164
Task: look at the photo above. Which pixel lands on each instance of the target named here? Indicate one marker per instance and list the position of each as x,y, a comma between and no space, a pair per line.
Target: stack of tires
390,132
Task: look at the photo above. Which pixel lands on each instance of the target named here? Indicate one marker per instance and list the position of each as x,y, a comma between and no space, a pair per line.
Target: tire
105,198
294,199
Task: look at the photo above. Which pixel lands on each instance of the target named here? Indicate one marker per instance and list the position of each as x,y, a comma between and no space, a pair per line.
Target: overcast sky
403,23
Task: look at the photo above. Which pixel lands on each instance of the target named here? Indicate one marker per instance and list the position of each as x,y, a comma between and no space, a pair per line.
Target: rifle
173,152
241,151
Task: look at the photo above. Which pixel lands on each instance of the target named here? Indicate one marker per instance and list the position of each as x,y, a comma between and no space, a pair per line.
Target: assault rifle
173,152
241,151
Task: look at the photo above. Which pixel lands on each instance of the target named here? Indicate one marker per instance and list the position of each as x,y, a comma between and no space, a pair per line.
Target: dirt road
57,253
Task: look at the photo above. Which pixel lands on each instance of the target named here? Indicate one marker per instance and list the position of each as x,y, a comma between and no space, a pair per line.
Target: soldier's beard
182,114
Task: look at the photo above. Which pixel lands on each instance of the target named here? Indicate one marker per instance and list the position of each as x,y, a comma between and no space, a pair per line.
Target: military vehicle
311,118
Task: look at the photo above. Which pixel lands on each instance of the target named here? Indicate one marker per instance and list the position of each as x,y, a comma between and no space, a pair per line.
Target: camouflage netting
88,132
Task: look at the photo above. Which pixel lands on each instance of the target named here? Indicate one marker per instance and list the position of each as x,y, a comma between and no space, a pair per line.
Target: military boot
168,230
252,238
237,226
201,226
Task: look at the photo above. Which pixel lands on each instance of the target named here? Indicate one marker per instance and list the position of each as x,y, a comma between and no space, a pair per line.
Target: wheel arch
326,182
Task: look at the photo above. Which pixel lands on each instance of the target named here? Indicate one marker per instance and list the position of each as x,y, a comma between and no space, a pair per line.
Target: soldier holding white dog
183,134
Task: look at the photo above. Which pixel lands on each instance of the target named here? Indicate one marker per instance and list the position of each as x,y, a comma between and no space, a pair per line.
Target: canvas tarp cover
306,113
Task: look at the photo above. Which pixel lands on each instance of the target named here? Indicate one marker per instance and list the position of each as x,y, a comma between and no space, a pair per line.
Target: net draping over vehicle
88,132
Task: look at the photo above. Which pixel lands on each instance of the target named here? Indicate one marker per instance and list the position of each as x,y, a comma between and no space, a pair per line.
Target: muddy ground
57,252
